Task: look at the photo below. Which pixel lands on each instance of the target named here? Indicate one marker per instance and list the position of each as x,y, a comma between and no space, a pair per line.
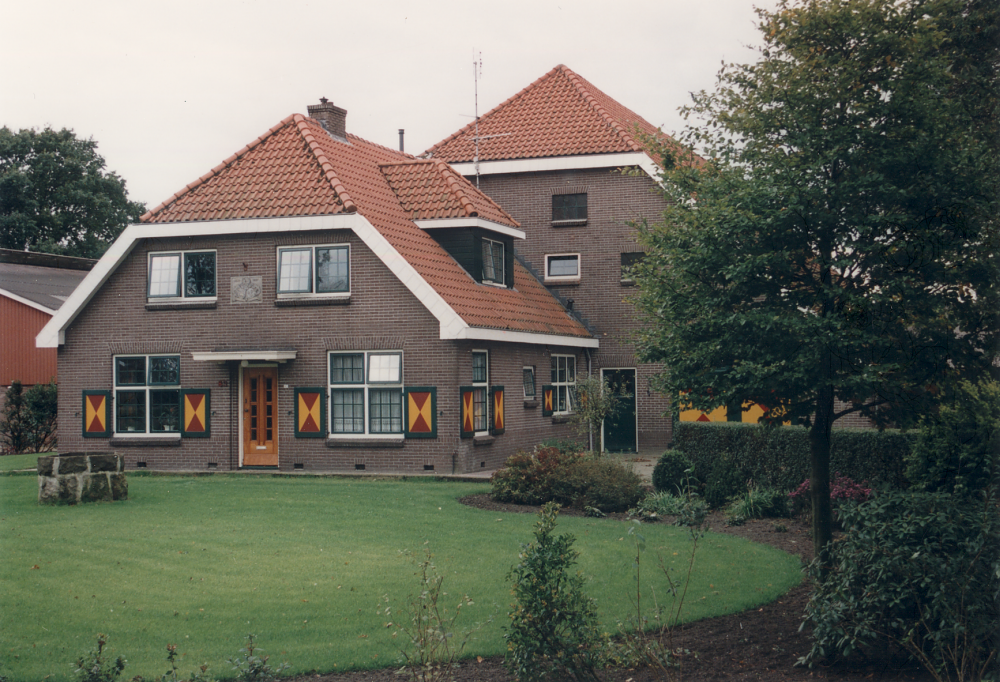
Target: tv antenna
477,72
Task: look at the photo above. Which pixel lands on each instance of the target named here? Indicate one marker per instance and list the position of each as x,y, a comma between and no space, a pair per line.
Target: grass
16,462
302,563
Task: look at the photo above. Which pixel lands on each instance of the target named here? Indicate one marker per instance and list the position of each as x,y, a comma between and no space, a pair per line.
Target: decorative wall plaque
246,289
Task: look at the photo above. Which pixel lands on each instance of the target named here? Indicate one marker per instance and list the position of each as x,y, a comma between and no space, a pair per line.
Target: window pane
164,275
165,370
571,370
332,269
629,262
347,368
386,410
130,409
569,206
384,369
164,411
295,271
564,266
479,367
479,409
199,274
493,268
130,371
489,273
529,382
348,410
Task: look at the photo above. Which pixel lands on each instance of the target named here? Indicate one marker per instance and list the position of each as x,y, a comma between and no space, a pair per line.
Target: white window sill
181,303
291,300
563,281
498,285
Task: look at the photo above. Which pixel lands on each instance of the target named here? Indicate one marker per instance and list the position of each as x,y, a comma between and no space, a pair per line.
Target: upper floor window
314,270
569,208
182,274
564,267
629,262
493,261
366,393
147,394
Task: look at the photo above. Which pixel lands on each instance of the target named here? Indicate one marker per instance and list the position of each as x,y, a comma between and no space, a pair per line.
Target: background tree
57,197
837,252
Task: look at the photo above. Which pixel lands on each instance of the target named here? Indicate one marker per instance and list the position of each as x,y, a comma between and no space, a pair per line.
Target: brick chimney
331,117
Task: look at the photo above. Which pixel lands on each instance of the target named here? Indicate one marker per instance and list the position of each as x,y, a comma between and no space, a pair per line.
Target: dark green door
619,430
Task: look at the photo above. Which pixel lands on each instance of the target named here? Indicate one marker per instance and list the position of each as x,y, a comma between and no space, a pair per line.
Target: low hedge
779,457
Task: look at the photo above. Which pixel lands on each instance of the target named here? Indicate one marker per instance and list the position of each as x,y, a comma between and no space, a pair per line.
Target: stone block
104,463
48,490
72,464
119,486
69,488
45,465
96,489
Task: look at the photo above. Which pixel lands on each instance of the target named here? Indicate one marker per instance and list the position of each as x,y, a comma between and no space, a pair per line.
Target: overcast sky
170,89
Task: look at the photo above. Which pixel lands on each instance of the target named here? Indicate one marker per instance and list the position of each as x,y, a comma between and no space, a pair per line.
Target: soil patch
760,644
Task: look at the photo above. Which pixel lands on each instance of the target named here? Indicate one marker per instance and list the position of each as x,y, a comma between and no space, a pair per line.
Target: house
32,288
316,302
552,157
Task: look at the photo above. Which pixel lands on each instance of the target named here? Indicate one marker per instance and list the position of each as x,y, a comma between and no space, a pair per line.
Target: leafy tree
57,197
14,423
597,399
28,419
836,250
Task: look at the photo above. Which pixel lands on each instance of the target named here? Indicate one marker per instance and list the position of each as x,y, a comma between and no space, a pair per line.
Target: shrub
689,509
564,446
779,457
758,503
842,489
672,472
28,420
569,479
96,667
724,482
958,448
252,667
919,568
553,631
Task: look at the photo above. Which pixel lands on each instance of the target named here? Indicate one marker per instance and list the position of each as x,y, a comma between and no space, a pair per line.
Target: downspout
590,427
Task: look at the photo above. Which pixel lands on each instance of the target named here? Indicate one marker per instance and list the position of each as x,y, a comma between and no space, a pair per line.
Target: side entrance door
620,429
260,416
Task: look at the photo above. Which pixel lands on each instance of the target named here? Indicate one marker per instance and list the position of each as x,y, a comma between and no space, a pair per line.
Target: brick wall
382,314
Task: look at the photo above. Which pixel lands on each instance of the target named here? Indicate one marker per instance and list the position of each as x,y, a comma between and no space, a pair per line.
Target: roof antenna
477,72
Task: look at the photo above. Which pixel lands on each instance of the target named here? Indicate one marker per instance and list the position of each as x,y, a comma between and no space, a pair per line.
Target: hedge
779,457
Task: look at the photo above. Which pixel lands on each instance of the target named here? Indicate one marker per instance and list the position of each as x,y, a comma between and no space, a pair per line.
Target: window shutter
497,417
468,428
310,412
547,401
97,414
420,403
196,413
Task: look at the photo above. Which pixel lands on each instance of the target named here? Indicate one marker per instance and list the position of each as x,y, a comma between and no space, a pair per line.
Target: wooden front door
260,416
620,428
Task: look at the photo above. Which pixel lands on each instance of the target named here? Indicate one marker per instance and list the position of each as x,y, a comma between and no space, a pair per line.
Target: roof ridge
409,156
522,92
577,82
456,188
218,169
304,129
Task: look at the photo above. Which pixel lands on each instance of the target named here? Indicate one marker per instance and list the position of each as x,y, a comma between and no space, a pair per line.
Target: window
493,263
569,208
366,393
182,274
314,270
563,383
529,382
147,394
480,392
562,267
629,261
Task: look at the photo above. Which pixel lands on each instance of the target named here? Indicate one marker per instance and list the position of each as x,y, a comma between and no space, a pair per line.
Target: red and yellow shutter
548,400
421,411
97,414
310,412
468,412
497,417
196,413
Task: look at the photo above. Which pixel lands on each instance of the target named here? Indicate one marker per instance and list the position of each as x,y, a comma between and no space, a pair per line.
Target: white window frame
534,382
564,387
147,388
313,273
483,387
366,386
181,295
563,278
499,279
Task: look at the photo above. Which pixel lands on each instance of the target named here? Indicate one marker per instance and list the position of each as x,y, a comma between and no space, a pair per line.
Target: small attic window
569,209
493,262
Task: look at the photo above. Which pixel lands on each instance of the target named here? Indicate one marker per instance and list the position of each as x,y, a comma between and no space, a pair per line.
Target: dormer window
569,209
493,262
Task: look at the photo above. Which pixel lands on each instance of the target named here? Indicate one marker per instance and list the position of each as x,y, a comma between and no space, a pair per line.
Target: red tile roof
430,189
560,114
297,169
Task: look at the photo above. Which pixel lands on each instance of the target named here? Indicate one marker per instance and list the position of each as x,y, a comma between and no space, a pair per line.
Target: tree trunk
819,480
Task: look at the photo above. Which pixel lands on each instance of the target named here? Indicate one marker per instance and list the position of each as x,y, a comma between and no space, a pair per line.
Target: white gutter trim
31,304
557,163
441,223
487,334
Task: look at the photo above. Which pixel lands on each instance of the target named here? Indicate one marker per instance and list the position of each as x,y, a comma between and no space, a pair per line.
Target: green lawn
15,462
301,562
